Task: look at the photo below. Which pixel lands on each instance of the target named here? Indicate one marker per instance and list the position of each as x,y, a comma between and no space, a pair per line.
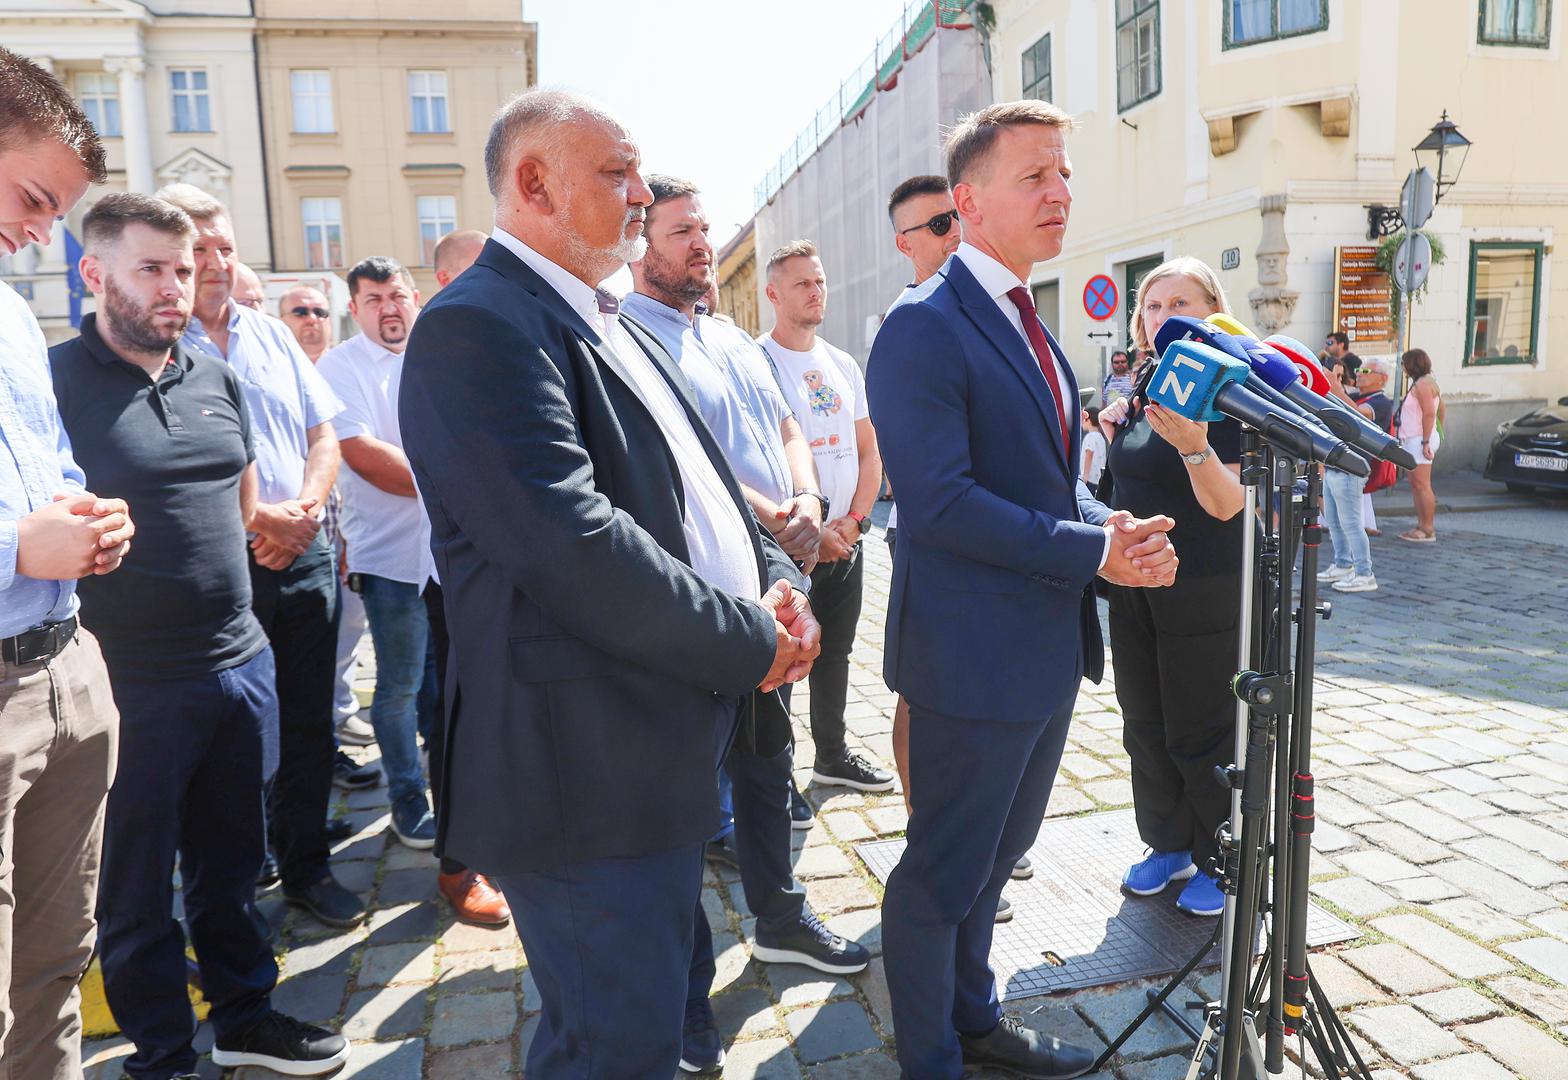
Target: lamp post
1435,152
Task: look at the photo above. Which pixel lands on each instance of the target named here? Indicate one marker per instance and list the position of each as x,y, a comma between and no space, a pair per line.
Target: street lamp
1441,145
1441,142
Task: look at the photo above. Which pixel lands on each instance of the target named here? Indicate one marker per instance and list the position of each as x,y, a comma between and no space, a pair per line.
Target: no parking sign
1099,298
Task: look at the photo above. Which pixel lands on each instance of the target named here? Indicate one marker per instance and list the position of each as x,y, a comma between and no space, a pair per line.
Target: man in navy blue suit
606,593
991,622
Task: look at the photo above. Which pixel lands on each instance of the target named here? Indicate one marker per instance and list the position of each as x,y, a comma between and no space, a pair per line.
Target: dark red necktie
1042,354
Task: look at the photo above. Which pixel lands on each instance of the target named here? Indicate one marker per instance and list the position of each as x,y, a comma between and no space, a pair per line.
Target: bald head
456,252
565,176
305,311
248,289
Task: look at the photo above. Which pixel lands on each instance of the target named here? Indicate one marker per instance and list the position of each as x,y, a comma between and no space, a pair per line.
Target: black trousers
298,608
1175,654
759,791
435,737
836,593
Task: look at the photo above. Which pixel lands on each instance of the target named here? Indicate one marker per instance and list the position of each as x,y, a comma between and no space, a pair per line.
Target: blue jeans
1346,524
400,630
195,754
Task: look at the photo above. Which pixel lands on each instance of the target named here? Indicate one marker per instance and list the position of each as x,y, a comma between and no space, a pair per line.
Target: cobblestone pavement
1442,760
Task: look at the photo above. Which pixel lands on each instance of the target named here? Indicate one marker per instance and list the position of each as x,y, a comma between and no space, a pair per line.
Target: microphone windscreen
1312,375
1231,325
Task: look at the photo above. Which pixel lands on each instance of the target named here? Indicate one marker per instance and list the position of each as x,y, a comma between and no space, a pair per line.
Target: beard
392,331
137,326
605,260
674,280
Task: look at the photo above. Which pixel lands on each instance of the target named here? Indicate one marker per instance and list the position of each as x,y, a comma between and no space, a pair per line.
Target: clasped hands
798,636
284,531
72,537
1141,554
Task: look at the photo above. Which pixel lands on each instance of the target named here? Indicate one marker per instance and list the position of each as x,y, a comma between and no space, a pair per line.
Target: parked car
1531,451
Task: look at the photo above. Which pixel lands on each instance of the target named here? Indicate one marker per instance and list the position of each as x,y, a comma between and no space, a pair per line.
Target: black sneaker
1022,1051
801,815
811,943
852,771
1004,909
285,1045
329,902
269,872
702,1051
1023,869
350,774
339,829
722,851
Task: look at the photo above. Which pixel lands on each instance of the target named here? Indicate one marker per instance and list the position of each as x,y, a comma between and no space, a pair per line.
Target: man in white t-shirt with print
827,394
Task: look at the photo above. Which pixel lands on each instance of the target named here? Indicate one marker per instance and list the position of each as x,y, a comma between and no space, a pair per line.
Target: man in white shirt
381,527
827,393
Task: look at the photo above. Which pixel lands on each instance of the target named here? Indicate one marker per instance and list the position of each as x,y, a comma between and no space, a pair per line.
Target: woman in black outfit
1175,649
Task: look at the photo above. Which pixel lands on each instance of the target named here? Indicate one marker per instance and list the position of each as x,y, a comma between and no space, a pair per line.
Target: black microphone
1186,328
1273,361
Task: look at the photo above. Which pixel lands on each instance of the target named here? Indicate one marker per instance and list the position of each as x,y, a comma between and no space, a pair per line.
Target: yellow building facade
737,275
375,119
1258,146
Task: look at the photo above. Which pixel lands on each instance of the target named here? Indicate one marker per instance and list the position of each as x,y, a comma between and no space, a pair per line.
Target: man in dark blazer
606,593
991,621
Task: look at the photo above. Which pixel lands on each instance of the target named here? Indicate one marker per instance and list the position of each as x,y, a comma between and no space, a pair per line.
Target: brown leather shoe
474,899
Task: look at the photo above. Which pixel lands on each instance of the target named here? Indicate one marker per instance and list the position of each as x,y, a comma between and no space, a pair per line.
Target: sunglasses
938,225
301,312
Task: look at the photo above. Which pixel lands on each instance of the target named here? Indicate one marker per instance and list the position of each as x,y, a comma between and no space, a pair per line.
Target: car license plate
1541,461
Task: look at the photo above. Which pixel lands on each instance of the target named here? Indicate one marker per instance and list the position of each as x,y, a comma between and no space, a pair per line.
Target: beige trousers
59,734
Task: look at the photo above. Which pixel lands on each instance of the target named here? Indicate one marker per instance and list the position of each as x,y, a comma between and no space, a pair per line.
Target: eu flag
75,287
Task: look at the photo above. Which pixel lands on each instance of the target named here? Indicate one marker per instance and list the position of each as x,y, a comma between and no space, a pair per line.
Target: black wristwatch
863,521
821,498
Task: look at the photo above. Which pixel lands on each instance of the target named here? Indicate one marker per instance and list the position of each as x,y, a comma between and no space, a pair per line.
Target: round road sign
1099,298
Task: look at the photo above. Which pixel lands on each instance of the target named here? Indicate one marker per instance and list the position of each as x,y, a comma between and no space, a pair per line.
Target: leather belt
42,643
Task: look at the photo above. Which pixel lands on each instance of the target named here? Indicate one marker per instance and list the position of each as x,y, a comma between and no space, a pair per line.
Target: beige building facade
1257,146
376,120
171,87
737,276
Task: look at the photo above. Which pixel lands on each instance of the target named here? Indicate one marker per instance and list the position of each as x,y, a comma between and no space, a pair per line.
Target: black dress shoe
339,829
852,771
801,815
350,775
1021,1051
329,902
811,943
269,872
702,1050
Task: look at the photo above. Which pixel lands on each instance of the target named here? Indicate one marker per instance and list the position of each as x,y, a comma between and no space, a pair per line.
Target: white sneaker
1335,573
356,732
1356,583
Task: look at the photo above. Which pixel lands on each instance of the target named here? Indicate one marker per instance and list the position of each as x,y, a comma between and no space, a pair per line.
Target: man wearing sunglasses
305,312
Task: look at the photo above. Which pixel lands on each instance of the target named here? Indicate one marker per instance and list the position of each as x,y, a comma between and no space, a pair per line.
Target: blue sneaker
1156,871
413,823
1202,896
702,1051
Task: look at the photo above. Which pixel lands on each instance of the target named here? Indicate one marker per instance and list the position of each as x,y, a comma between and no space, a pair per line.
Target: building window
1037,69
427,101
1516,22
1505,303
312,93
437,217
99,93
1137,51
1248,22
323,232
192,107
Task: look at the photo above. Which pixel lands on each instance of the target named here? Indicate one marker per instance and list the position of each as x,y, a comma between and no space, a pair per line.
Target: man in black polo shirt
191,670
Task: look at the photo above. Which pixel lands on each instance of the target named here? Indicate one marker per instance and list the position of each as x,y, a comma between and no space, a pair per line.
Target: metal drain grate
1072,926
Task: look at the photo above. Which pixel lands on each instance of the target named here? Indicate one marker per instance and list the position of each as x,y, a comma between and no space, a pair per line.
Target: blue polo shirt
737,391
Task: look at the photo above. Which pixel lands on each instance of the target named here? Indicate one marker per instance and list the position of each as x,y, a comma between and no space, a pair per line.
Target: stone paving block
1342,983
1058,1020
1066,801
873,1066
464,937
1397,968
864,927
1463,1067
1499,890
407,922
732,961
357,877
1513,860
1414,761
1424,889
314,998
872,983
1443,947
329,956
848,826
1403,841
474,1063
467,972
1458,754
1110,792
406,887
1547,955
1516,802
1457,804
1355,895
888,819
403,1059
1404,1034
403,962
1084,767
402,857
1111,1011
1549,1004
386,1012
828,896
1476,919
823,861
464,1019
1326,837
827,1031
761,1059
1378,867
1535,839
745,1013
1460,1004
796,984
1553,922
1527,1050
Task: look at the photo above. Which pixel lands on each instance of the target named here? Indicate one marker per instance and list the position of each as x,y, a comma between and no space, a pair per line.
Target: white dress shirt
717,537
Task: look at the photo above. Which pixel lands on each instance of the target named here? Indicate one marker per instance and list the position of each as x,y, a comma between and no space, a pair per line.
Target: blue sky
713,90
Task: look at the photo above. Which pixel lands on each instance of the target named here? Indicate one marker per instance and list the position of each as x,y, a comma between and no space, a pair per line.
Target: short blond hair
969,142
793,249
196,203
1195,270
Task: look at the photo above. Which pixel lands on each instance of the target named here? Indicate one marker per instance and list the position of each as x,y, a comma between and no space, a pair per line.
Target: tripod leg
1157,1000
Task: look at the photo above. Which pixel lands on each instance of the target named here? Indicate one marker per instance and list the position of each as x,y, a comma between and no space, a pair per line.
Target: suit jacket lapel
988,318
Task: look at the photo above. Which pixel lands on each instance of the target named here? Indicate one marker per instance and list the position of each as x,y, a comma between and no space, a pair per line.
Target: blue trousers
400,630
980,789
1342,513
195,754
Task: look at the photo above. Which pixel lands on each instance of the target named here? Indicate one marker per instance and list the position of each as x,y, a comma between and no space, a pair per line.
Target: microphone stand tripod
1269,698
